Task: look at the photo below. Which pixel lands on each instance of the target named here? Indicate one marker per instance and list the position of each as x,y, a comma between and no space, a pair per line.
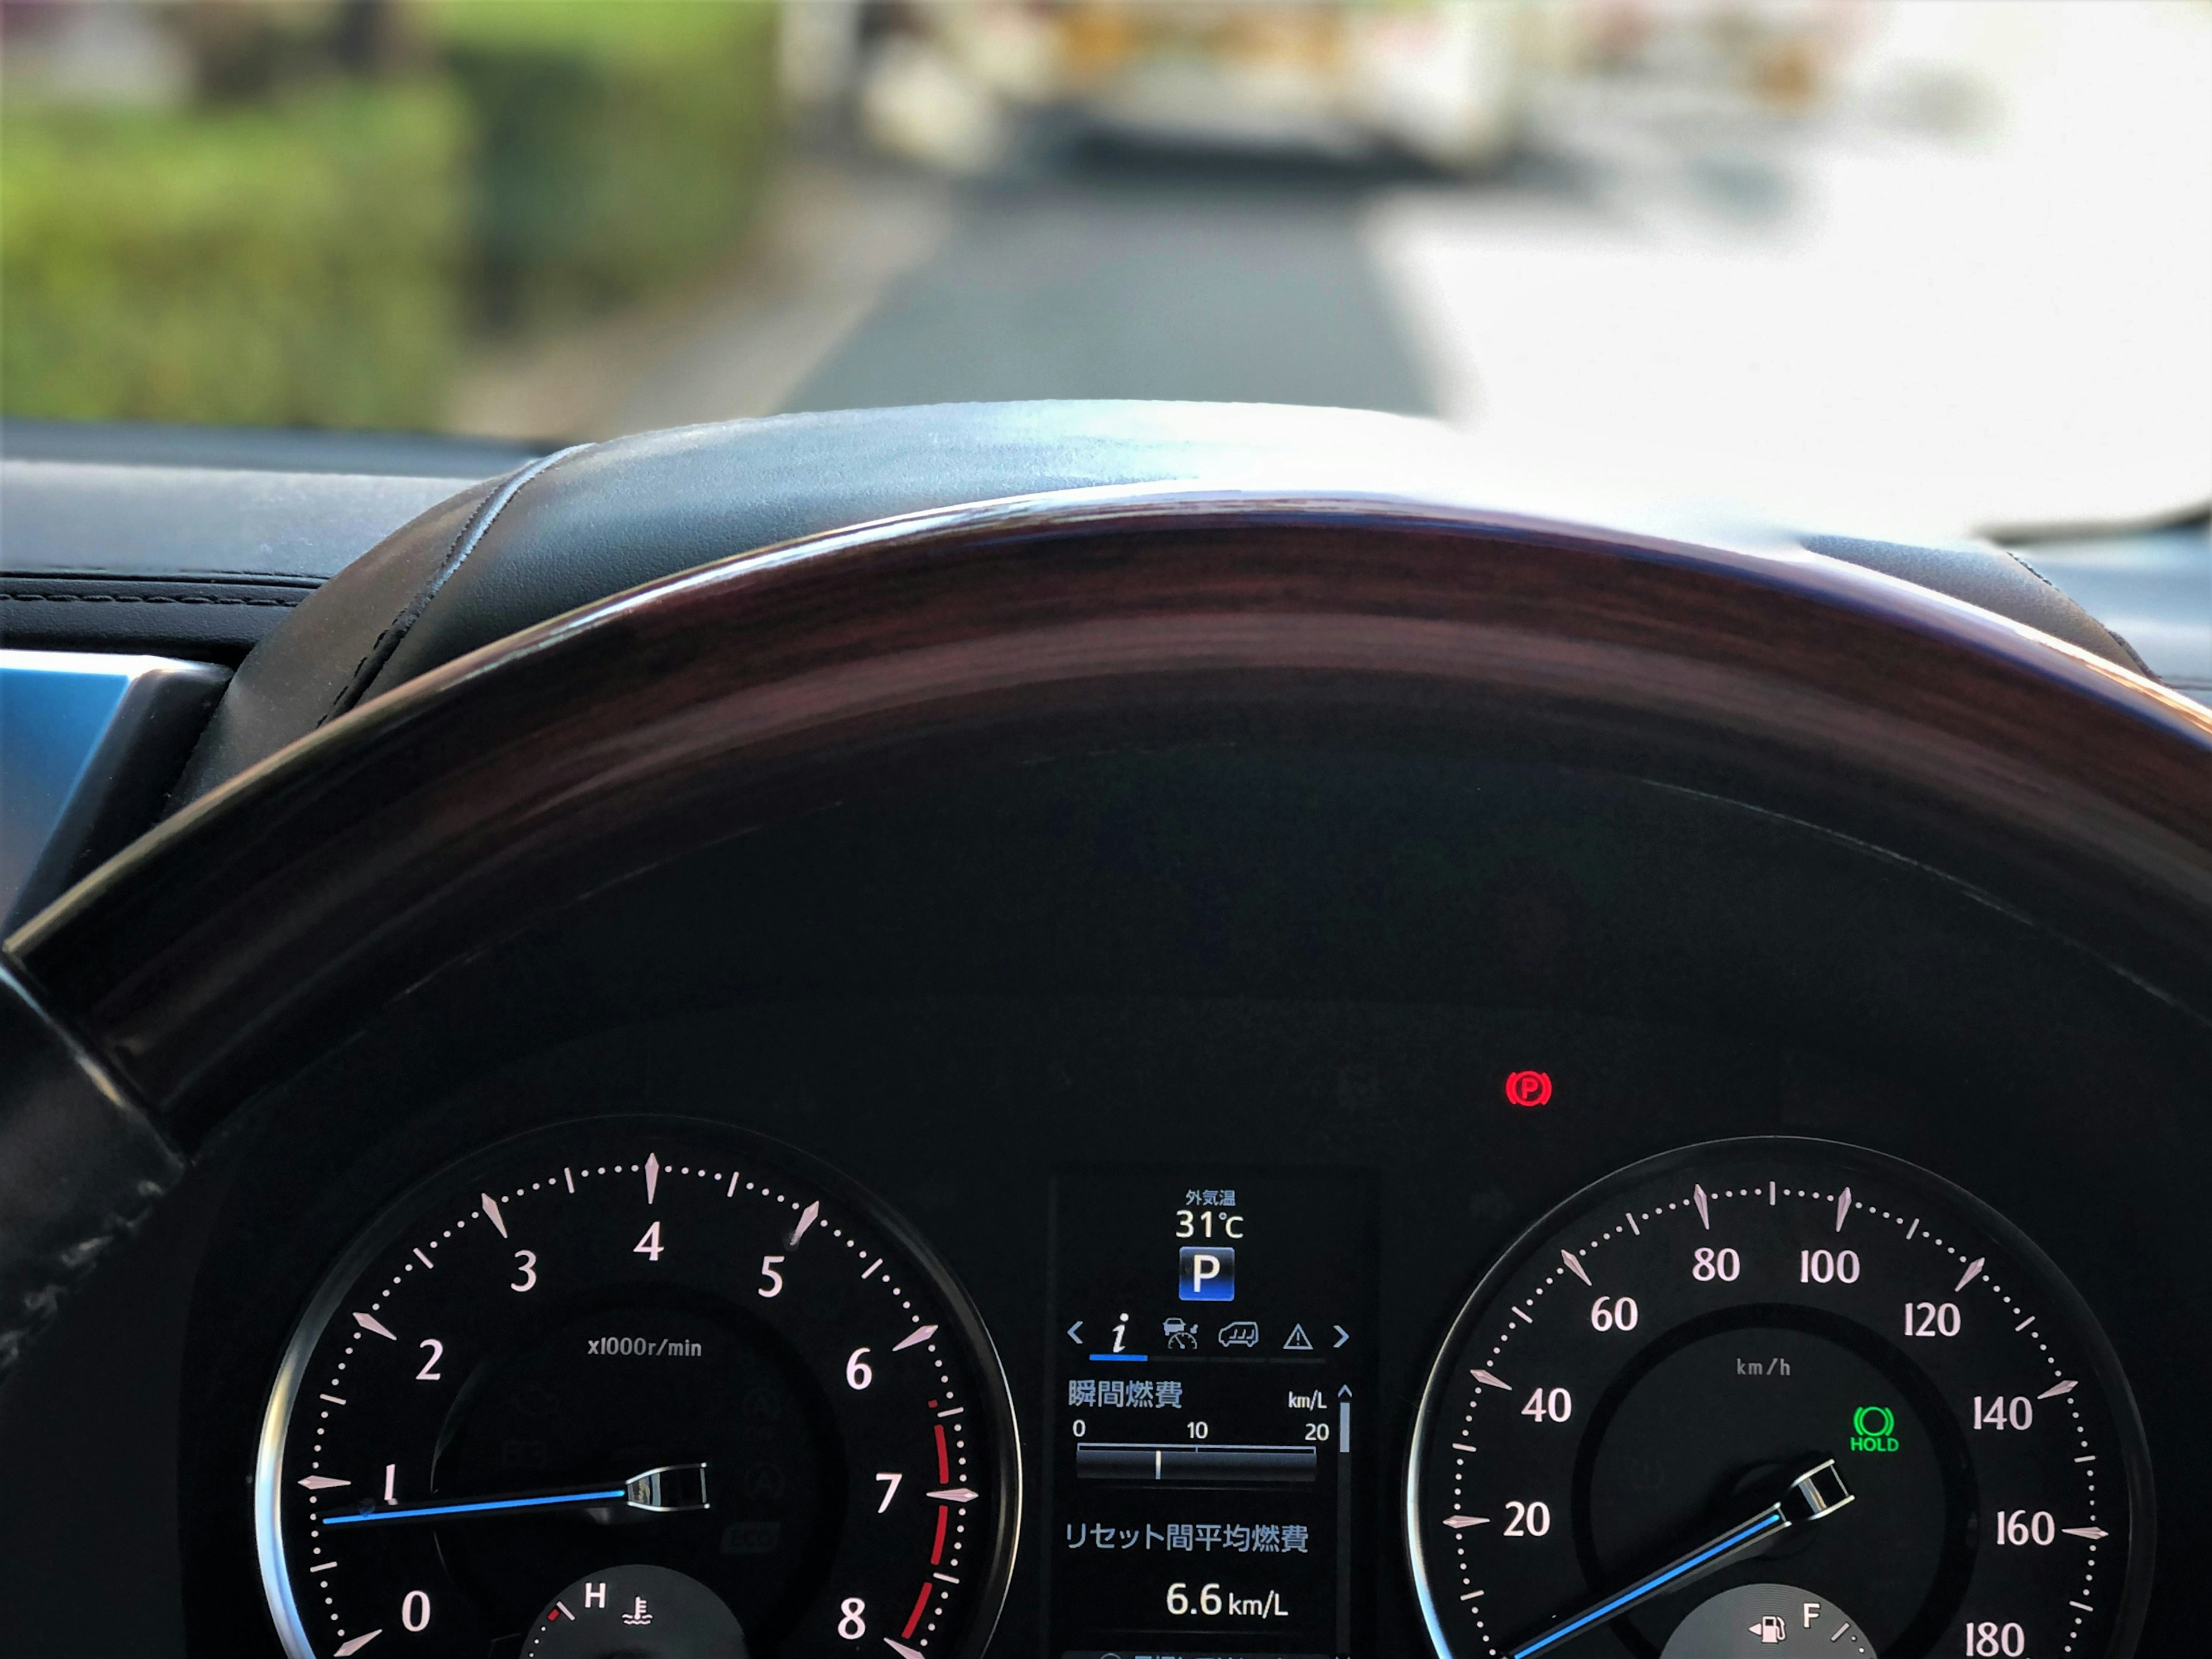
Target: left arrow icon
1075,1332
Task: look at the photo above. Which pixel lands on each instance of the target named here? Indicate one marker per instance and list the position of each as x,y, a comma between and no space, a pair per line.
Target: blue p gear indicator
1207,1275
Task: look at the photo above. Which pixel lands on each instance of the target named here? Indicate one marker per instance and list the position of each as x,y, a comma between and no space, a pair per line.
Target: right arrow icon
1343,1336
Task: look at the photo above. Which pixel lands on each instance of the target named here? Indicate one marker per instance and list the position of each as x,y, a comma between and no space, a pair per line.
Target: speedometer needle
657,1491
1813,1496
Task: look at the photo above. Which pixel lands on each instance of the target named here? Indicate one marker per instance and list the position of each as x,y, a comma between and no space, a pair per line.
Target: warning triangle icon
1297,1343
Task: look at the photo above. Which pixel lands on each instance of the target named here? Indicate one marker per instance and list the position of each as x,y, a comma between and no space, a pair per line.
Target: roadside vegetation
336,198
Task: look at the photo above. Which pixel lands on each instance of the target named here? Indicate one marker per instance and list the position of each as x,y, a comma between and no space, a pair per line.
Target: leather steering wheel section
256,928
574,528
80,1167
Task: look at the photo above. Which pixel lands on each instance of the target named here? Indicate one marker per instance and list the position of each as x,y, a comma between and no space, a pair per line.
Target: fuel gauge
1754,1620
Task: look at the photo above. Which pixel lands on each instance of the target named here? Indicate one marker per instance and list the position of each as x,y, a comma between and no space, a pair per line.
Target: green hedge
293,265
316,260
621,147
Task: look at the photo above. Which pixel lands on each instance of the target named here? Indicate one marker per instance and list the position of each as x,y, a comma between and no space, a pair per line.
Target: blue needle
485,1507
663,1491
1759,1527
1818,1492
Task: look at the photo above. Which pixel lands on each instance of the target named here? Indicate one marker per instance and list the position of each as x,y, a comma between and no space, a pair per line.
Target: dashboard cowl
576,527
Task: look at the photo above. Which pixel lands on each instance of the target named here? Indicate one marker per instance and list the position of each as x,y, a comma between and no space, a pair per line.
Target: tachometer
637,1385
1777,1391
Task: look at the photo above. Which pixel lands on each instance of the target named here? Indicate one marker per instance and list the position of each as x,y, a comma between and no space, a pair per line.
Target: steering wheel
420,765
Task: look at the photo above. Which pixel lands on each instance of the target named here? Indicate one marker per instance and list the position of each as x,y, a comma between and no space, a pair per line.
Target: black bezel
1002,1441
2135,1447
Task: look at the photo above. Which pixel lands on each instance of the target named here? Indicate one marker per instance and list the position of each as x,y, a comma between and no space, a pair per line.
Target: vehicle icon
1240,1333
1179,1332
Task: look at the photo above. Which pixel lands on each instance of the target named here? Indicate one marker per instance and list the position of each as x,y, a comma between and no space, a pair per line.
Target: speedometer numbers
637,1385
1777,1389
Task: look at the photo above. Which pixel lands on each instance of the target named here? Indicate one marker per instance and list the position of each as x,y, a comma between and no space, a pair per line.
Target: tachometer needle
1813,1496
657,1491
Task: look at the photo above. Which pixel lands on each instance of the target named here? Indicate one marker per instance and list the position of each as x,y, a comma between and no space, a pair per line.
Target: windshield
1913,268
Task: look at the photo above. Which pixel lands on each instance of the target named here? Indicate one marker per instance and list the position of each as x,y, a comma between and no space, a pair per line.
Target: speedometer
1774,1390
637,1386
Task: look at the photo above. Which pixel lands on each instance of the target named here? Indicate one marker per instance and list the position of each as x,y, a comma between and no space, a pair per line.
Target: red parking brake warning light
1528,1090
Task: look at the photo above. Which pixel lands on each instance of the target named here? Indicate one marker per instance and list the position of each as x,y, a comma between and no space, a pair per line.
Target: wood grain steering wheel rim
208,960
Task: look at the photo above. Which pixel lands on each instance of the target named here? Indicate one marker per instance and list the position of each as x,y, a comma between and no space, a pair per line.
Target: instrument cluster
647,1382
1060,1221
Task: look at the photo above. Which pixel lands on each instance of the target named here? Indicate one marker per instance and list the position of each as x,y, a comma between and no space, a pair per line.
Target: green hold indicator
1871,1428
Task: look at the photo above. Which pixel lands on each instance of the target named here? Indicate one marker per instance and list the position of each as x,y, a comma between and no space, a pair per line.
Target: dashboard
1275,1165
